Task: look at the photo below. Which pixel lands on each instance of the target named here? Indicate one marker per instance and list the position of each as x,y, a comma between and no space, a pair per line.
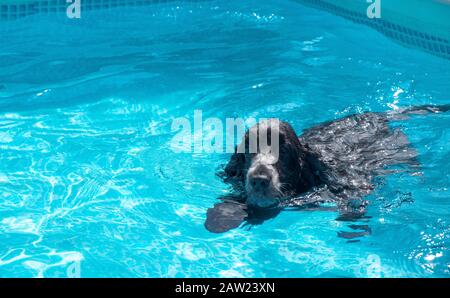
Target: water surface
88,176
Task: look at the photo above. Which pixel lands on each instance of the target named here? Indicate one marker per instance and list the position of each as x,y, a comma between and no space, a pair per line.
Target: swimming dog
332,162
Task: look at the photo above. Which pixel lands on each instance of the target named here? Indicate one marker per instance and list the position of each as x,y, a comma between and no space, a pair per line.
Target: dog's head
269,162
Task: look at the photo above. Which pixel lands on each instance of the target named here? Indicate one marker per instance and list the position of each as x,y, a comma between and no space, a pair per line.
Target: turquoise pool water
90,186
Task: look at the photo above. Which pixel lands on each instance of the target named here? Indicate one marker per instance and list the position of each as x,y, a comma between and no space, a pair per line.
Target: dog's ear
309,165
235,167
225,216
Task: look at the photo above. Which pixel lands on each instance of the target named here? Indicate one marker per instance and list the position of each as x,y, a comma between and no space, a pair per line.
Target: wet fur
332,162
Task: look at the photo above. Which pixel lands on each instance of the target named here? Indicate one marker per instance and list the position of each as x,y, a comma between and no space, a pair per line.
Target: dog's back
353,149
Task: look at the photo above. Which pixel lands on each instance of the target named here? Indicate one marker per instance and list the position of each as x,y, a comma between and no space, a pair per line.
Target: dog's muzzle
261,186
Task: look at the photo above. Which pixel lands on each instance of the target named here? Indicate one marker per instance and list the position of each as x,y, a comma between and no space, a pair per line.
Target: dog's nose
260,182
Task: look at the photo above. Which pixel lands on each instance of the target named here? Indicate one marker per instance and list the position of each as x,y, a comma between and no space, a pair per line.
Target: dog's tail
404,113
425,109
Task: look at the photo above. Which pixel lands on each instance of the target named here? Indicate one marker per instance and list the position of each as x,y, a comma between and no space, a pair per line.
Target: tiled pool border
12,11
432,44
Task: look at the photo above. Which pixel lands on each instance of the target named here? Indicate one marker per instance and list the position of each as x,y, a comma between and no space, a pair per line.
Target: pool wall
13,9
422,24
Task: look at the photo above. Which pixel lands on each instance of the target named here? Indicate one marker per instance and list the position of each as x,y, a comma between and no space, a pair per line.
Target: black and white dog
332,162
